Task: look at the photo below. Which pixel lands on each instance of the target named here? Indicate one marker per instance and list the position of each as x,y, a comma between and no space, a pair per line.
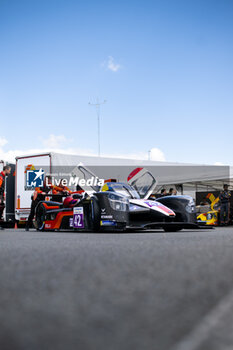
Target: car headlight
117,202
190,207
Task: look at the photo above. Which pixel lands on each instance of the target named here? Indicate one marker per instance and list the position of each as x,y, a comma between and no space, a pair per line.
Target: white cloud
54,141
157,154
54,144
3,141
10,156
111,65
219,163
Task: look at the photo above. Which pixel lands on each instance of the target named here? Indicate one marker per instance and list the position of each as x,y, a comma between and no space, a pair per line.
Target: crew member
163,192
170,193
224,199
38,195
61,188
5,172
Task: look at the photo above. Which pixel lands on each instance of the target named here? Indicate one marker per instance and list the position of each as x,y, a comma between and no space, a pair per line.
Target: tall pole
98,119
149,154
97,106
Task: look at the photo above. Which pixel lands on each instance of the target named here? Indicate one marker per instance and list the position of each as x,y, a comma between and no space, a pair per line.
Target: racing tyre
94,217
40,217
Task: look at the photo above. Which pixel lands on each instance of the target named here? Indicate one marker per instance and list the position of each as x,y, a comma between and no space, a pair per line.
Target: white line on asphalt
201,332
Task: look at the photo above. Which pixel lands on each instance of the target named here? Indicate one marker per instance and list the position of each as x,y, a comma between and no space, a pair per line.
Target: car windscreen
125,190
144,184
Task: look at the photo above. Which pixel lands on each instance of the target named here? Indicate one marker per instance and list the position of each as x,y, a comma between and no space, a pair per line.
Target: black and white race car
117,206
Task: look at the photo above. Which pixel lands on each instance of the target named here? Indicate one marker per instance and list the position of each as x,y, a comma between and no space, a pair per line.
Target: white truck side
22,194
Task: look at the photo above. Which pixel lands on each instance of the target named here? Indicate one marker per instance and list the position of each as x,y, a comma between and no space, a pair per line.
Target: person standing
5,172
61,189
172,192
163,192
224,199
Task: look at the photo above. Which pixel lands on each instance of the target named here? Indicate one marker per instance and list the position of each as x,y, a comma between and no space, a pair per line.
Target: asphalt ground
150,290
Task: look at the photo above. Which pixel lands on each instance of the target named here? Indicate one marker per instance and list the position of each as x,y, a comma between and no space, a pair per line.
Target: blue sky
164,67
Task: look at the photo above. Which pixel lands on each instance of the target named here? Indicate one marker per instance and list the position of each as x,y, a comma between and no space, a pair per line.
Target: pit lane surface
151,290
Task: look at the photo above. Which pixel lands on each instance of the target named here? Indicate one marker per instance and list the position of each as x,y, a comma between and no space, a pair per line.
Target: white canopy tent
192,176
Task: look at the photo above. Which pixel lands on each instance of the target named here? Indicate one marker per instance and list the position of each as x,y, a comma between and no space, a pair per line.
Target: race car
210,218
117,206
209,214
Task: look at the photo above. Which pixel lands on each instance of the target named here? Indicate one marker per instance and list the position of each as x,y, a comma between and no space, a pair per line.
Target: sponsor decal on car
106,216
153,205
107,223
78,217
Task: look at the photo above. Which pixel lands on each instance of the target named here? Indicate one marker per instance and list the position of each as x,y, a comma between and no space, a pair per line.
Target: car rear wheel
40,217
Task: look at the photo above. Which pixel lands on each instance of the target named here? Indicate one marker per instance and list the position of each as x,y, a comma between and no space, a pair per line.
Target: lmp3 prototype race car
117,206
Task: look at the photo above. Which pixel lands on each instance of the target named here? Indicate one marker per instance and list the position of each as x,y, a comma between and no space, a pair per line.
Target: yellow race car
208,214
